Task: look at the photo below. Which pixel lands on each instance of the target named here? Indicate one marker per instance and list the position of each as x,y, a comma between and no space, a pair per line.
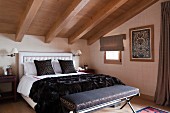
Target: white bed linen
29,101
26,81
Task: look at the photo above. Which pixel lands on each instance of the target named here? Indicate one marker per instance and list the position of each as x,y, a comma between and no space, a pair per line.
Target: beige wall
36,43
139,74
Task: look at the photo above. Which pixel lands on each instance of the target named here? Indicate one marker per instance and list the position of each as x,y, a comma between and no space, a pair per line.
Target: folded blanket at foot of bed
84,101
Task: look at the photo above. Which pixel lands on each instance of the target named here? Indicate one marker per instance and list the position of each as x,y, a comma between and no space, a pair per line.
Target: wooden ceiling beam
99,17
71,11
121,19
28,16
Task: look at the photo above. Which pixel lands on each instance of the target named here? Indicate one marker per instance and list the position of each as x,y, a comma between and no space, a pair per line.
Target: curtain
112,43
162,94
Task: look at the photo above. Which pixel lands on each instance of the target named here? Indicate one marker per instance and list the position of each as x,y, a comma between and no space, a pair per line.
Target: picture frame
142,43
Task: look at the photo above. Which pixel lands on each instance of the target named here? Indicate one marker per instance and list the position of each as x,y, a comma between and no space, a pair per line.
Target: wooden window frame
113,61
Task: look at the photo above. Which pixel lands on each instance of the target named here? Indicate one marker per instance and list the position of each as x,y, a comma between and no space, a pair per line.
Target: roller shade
112,43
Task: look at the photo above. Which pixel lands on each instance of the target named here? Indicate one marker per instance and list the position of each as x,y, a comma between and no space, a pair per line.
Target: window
112,57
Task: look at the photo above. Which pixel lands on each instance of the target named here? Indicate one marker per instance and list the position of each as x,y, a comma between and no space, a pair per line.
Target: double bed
28,79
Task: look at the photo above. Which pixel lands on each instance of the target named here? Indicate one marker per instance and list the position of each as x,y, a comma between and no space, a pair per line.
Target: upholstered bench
94,99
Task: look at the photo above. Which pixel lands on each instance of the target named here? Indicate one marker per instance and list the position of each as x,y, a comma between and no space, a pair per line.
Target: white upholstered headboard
31,56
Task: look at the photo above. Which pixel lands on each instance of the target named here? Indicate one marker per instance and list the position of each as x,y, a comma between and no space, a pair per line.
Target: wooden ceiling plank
28,16
75,7
121,19
99,17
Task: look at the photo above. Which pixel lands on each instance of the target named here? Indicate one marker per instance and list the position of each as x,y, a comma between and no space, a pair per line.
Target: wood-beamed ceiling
72,19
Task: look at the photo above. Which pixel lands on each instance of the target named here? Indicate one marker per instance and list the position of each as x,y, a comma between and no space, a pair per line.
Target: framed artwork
142,43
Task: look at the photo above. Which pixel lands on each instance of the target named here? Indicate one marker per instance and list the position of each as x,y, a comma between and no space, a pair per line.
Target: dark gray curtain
162,94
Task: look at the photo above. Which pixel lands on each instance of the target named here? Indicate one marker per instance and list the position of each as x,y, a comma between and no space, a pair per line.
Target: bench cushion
82,100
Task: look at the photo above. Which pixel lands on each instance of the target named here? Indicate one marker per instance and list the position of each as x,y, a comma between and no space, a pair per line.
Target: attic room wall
139,74
35,43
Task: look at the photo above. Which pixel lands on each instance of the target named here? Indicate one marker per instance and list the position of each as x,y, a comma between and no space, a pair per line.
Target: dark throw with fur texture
47,92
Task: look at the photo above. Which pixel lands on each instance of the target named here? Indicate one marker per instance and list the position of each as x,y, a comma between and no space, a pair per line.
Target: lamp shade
78,52
14,51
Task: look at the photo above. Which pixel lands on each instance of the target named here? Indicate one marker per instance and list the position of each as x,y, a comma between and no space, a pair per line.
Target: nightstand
92,71
9,79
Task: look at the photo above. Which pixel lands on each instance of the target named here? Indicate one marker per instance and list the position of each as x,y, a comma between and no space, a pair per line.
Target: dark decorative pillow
67,66
44,67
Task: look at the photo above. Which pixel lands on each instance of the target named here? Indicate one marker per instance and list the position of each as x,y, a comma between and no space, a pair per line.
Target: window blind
112,43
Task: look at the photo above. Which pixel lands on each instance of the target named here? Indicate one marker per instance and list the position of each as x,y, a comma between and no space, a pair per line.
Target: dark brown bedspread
46,92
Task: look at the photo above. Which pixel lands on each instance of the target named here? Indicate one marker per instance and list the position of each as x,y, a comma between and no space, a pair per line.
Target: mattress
27,81
29,101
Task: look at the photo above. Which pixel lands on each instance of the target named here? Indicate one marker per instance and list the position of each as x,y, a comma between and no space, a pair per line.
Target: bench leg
128,102
131,107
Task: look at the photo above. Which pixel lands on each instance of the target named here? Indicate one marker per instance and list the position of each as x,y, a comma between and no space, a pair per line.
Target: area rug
151,110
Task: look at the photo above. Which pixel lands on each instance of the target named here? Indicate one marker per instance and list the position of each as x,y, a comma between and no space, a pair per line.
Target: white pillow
29,68
56,67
